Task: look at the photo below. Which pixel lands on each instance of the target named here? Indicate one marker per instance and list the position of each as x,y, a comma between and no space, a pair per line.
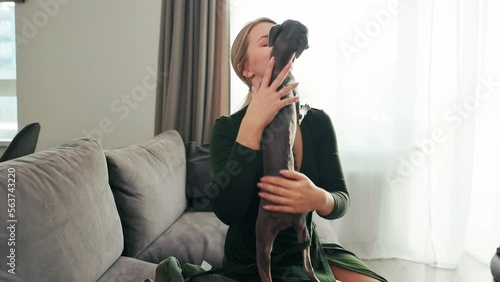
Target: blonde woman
237,170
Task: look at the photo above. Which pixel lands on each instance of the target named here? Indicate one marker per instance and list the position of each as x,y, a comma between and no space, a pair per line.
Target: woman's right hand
264,105
266,101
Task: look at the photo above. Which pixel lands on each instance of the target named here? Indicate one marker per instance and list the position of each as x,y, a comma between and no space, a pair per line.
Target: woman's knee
346,275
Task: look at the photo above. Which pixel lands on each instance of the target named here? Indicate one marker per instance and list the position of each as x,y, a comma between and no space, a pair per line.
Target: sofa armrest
67,225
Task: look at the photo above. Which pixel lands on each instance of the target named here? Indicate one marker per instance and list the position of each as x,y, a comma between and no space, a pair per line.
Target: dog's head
290,32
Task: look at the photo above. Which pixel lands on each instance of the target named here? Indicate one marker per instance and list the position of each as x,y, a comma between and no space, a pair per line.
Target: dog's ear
303,45
273,34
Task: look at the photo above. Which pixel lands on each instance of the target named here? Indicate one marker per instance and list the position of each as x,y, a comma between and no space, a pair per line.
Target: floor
469,270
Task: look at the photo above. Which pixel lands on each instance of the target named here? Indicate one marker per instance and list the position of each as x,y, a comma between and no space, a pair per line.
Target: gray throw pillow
148,181
198,176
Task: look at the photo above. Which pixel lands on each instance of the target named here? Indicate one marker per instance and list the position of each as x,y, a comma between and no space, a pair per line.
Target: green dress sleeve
331,177
234,171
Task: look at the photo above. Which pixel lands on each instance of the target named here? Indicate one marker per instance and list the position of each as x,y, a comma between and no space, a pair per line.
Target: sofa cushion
148,181
198,176
193,238
67,226
127,269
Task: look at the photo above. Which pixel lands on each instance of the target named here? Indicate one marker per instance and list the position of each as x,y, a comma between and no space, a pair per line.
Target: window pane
7,42
8,99
8,117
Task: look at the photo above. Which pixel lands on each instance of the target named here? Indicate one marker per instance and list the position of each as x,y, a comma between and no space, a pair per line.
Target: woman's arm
233,172
331,177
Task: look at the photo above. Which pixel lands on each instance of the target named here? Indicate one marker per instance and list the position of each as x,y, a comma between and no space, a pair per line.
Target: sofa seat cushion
148,181
67,226
194,237
127,269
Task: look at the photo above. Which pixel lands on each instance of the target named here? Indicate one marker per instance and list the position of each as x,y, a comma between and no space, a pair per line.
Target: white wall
87,67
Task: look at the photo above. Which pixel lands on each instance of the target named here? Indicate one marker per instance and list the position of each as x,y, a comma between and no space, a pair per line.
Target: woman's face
258,53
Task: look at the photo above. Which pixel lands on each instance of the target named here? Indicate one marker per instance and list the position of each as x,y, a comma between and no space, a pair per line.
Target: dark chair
24,143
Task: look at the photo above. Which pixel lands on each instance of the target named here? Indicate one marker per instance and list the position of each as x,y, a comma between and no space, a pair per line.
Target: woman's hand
264,105
266,100
295,193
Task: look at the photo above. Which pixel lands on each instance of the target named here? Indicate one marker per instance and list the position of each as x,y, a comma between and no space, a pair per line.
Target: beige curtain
193,67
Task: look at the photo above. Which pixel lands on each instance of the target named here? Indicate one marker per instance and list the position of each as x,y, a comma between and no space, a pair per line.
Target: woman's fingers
268,73
277,200
281,77
276,194
292,174
266,79
289,101
285,90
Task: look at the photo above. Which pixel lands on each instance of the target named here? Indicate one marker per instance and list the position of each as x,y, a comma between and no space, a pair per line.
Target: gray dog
288,40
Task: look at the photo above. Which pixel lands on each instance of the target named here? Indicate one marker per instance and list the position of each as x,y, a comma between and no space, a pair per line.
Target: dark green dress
235,171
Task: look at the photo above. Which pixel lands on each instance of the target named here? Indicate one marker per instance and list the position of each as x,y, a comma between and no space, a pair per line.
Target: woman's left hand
295,193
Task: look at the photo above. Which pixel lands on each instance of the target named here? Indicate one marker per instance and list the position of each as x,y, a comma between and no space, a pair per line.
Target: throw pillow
198,176
148,181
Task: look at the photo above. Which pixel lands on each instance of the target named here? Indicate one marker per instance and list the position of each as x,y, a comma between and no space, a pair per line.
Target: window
8,99
414,98
348,70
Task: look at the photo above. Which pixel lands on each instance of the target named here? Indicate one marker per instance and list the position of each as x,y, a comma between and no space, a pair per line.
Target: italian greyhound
288,40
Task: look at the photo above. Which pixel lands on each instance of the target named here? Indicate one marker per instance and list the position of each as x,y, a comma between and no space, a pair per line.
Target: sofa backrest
63,223
148,181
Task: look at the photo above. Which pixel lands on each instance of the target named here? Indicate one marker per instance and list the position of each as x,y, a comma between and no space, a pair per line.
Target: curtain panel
193,67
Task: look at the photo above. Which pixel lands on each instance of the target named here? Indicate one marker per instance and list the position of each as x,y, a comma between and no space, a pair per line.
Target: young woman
237,171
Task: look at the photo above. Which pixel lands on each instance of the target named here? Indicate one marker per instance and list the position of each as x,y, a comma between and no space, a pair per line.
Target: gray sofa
80,213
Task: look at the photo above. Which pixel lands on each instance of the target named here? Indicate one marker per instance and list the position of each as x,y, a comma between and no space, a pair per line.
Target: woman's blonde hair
239,53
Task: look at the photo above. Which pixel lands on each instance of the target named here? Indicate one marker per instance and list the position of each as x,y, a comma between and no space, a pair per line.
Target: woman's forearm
233,172
249,134
327,204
